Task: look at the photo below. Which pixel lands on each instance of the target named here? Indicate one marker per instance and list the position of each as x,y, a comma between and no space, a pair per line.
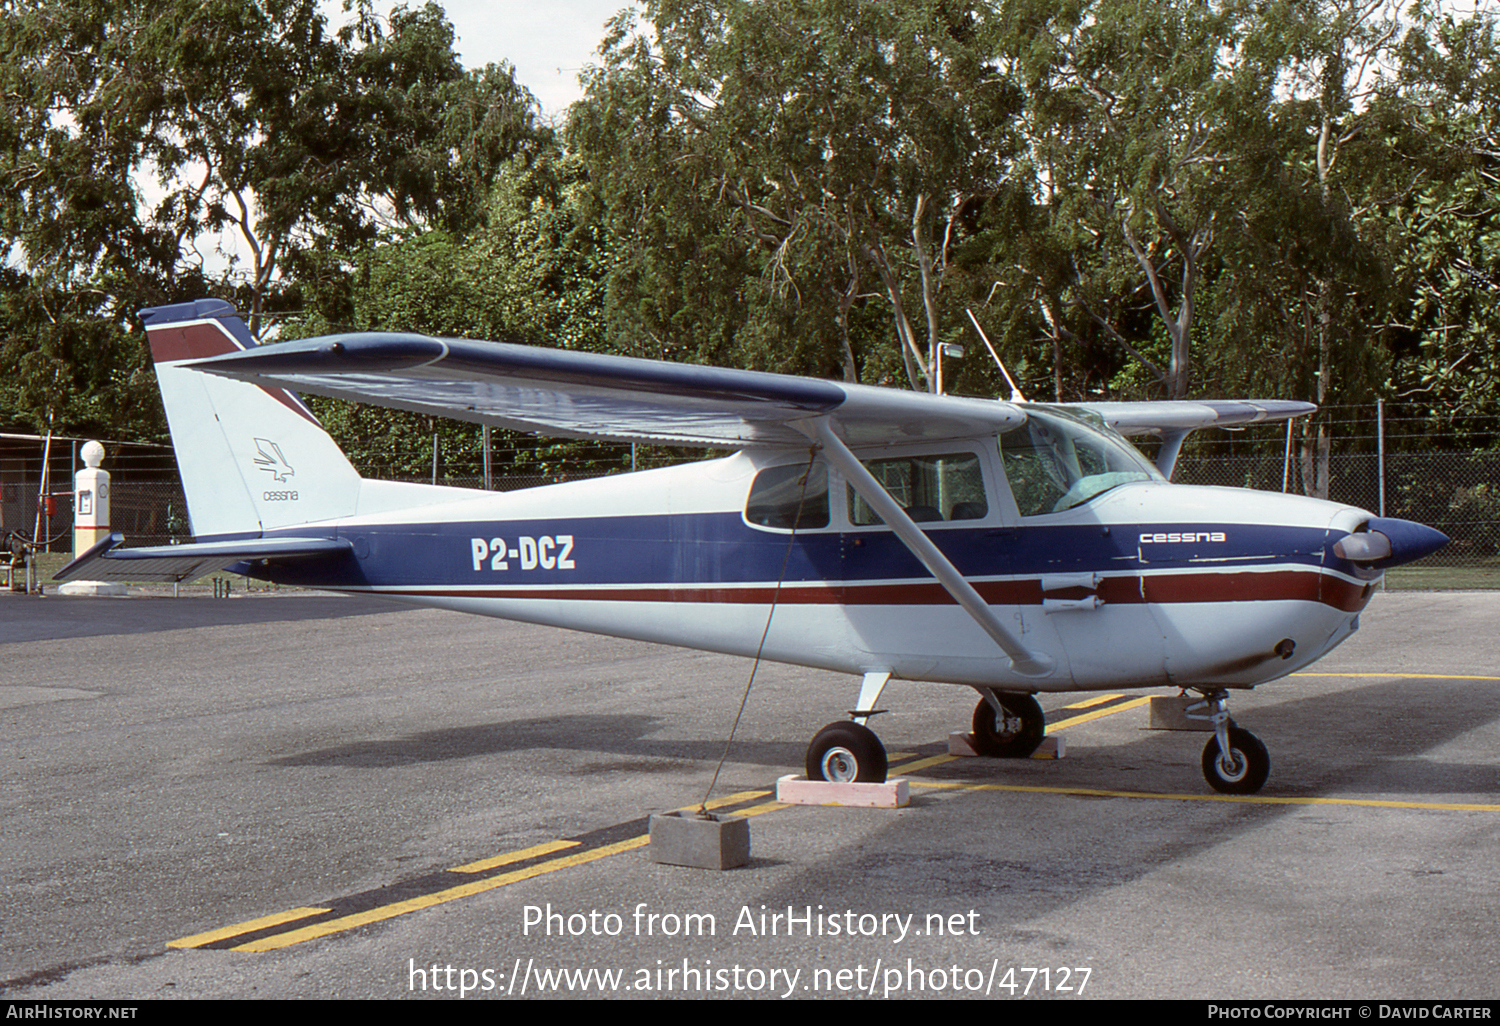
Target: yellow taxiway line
566,859
909,763
401,908
1074,721
1249,799
198,940
1413,676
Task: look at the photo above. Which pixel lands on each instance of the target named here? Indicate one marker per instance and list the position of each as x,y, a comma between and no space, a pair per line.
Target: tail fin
252,458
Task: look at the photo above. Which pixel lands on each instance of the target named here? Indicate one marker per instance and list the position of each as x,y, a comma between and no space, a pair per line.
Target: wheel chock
797,790
686,838
1051,748
961,744
1169,712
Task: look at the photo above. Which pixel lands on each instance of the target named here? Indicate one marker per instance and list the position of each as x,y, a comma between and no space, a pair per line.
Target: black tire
846,752
1251,764
1012,736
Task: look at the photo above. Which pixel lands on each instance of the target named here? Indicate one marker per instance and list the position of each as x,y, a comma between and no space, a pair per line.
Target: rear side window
794,496
949,486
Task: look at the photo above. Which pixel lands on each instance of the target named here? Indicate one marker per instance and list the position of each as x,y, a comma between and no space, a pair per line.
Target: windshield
1059,459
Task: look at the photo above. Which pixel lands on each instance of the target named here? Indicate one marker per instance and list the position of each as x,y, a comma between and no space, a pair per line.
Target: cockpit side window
1058,460
946,486
787,497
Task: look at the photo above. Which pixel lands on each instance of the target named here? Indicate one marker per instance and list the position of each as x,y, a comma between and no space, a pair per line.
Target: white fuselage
1146,584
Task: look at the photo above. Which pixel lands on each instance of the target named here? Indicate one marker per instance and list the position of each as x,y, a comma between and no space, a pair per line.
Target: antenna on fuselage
1015,393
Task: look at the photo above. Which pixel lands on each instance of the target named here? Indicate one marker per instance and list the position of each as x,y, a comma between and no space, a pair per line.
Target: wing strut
1022,659
1166,456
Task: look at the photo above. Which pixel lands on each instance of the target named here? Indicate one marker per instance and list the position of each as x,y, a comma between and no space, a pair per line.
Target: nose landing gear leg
1234,760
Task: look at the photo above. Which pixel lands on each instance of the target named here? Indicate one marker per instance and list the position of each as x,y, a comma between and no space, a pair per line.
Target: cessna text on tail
1007,547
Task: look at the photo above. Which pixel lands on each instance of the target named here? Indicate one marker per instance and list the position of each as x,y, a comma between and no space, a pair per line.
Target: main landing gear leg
1234,760
848,752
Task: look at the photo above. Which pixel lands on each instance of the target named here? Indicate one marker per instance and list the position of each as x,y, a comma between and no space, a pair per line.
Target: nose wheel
1234,760
1243,770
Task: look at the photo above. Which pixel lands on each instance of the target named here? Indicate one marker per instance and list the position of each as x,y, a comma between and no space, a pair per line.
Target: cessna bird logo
268,458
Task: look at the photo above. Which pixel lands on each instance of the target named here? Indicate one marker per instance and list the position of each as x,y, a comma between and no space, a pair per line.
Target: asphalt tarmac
270,796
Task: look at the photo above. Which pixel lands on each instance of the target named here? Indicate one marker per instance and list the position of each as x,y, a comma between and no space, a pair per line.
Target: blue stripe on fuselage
720,548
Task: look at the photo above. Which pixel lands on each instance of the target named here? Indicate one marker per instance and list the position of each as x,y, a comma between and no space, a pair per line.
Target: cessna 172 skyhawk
1012,548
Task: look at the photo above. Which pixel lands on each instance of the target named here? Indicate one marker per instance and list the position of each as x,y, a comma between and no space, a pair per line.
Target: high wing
1182,416
1172,422
106,561
590,395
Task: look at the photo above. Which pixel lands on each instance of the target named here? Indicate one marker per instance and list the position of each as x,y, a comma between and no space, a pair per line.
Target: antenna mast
1015,393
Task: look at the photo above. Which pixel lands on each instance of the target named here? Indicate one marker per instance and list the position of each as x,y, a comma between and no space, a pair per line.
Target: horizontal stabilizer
175,564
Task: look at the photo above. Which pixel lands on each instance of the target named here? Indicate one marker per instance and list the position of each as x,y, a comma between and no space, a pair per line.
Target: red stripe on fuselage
1166,589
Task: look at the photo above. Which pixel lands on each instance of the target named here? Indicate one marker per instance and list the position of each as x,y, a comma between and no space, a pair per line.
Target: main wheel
1246,768
846,752
1016,734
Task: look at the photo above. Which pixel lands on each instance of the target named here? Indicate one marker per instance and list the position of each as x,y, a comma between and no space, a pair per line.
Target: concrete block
1052,747
1170,713
794,790
685,838
961,744
93,589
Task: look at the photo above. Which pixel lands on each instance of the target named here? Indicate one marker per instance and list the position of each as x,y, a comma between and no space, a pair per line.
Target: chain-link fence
145,494
148,512
1416,478
515,467
1456,492
1444,472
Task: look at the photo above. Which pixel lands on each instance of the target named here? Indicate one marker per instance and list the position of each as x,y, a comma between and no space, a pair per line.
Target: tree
1139,120
1219,189
136,133
533,273
1377,163
770,169
1448,262
68,369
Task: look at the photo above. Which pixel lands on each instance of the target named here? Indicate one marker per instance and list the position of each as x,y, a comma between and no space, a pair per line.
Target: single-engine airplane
1008,547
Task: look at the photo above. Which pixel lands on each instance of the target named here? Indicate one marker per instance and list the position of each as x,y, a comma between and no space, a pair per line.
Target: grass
1443,578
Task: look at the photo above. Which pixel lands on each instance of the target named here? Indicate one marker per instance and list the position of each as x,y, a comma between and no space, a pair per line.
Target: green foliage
136,133
1135,197
783,180
1457,494
532,273
1447,345
545,255
70,369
